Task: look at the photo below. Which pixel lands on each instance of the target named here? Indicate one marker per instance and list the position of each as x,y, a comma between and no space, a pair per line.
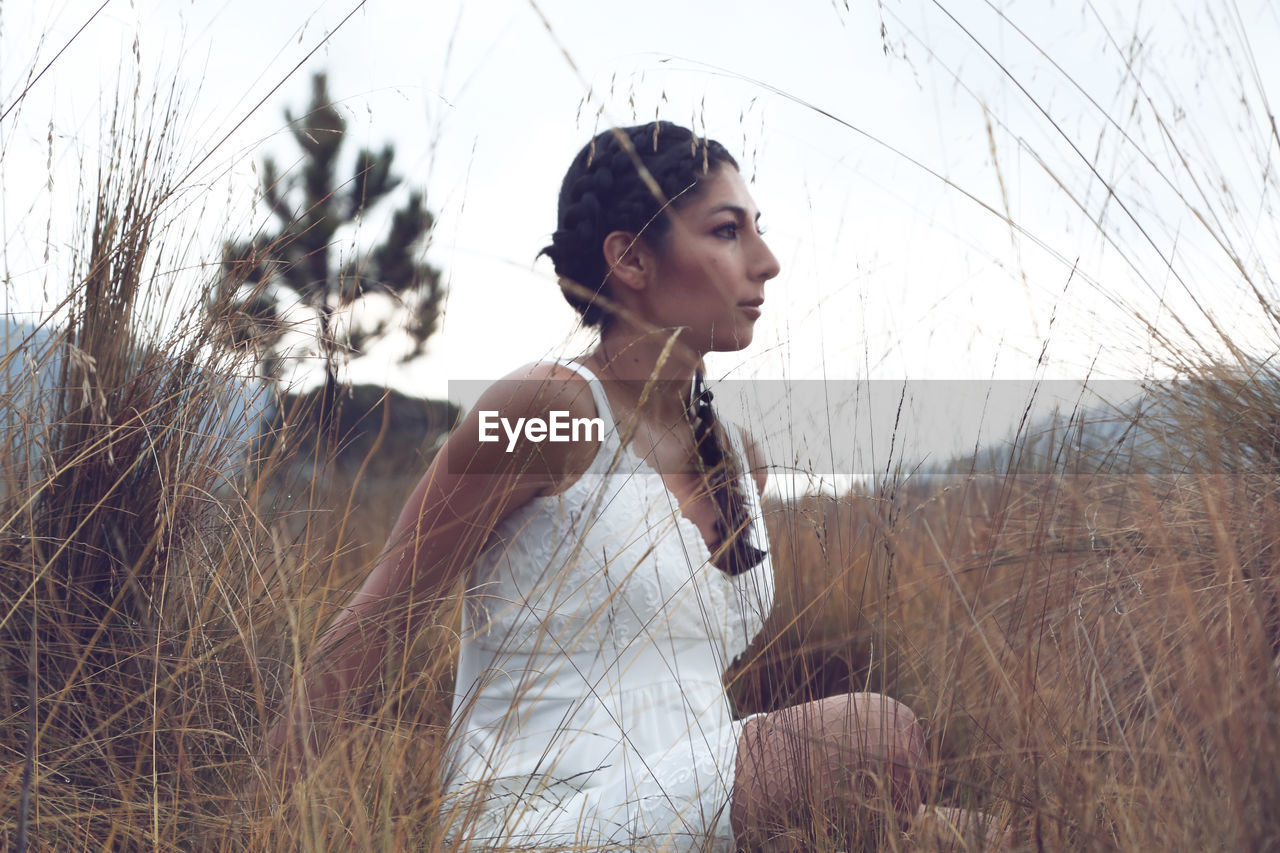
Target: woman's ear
629,258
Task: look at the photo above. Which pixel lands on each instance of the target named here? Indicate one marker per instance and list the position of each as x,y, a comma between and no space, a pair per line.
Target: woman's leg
854,757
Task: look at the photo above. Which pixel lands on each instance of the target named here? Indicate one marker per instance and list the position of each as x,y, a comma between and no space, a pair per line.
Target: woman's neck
653,366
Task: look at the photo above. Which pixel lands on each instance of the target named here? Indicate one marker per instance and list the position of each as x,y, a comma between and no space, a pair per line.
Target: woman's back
596,632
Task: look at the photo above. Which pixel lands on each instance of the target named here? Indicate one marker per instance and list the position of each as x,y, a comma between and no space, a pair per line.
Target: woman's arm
470,487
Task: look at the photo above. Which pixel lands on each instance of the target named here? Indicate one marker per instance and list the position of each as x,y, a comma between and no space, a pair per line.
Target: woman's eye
729,230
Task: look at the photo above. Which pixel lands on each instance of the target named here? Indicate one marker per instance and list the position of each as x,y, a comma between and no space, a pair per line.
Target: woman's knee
850,749
906,733
896,736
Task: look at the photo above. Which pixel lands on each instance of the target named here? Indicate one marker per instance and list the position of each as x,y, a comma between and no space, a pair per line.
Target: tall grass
163,573
1093,649
128,607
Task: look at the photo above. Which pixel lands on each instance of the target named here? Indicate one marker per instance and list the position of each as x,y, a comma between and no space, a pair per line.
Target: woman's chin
740,340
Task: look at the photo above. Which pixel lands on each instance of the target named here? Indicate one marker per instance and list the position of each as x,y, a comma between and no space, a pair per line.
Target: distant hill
346,486
228,409
1165,429
387,432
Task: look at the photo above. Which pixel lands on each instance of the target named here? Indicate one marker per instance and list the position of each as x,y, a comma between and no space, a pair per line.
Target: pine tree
293,258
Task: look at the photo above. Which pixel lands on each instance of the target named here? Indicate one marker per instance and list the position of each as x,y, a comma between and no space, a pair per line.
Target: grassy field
1093,648
1093,651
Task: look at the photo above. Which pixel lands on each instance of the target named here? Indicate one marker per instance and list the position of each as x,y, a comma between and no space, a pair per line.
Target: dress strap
603,410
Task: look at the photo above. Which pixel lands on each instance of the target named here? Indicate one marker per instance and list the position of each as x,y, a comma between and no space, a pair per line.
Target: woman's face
711,267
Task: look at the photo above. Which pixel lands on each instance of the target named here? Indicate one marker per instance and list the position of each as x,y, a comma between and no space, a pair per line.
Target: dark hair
623,180
724,477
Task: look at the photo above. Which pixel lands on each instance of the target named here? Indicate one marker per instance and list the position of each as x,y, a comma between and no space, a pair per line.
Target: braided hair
724,478
626,179
623,180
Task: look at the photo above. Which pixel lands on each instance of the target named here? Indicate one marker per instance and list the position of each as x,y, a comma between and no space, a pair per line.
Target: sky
962,190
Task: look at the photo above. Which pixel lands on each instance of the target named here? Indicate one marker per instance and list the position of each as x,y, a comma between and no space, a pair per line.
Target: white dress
589,711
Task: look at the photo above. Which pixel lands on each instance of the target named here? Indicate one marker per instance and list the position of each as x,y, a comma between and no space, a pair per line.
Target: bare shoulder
547,386
516,424
757,465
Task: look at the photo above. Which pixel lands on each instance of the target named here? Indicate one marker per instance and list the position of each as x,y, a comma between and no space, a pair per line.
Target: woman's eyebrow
737,210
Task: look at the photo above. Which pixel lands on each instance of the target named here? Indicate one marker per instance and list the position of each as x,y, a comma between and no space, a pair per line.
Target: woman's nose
767,265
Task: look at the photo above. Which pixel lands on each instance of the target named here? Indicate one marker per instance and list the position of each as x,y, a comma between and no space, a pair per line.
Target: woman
610,580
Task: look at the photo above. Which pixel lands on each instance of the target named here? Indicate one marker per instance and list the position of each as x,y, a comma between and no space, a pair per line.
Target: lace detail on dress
596,633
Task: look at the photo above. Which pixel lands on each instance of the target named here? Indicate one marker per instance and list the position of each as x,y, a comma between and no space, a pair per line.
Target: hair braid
724,479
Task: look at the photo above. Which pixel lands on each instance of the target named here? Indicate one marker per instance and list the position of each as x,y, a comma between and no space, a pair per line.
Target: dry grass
1094,656
1094,653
